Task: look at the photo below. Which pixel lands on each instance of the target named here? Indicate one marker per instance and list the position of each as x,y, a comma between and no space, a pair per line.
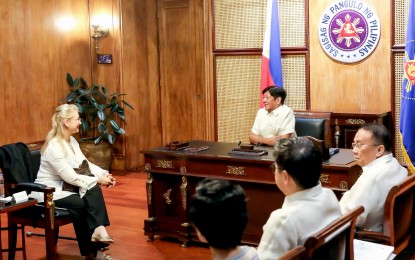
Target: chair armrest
372,236
29,186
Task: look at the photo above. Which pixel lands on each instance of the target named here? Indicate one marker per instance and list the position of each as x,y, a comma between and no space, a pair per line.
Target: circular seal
349,30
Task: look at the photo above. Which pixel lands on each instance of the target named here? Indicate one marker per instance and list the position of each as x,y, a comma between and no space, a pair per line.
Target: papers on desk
364,250
6,199
17,197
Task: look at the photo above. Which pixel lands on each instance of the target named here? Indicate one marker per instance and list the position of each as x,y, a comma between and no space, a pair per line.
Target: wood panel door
182,72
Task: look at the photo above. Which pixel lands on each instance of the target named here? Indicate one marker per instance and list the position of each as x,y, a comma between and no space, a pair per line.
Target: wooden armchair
297,253
336,240
398,218
19,167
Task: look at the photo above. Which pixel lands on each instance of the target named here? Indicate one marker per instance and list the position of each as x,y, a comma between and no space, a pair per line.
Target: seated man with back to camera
381,171
307,208
219,214
275,120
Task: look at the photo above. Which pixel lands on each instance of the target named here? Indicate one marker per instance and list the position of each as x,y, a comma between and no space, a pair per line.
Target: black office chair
20,166
315,126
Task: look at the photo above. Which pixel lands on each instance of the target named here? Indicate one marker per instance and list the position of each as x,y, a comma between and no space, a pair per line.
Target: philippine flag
271,69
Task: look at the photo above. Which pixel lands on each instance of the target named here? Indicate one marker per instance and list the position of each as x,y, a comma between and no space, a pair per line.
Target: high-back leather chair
398,218
336,240
314,124
316,127
20,166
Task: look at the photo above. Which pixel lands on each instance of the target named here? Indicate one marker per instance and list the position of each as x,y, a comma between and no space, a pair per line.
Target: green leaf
114,108
101,115
114,125
120,131
84,126
80,108
70,97
101,127
96,141
69,79
111,139
76,82
104,90
128,105
83,81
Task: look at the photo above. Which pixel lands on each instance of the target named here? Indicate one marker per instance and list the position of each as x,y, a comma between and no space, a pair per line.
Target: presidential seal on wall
349,30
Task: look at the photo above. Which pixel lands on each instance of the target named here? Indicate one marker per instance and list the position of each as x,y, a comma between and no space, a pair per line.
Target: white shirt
371,190
56,165
280,121
303,214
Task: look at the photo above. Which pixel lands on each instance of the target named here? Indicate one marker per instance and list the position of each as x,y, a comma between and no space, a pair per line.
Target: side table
9,207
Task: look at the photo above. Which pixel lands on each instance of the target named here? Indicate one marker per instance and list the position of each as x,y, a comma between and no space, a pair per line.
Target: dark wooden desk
173,176
9,207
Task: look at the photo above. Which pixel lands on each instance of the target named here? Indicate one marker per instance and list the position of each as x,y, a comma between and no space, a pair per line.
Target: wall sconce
99,32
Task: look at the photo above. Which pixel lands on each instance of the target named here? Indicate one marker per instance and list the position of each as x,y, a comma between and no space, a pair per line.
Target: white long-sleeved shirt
57,165
371,190
302,214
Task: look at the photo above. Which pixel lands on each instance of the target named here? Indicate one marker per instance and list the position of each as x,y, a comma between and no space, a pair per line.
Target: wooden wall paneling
36,53
357,87
182,105
108,14
140,73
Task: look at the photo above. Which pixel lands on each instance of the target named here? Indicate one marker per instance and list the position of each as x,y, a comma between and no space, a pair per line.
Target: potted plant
100,113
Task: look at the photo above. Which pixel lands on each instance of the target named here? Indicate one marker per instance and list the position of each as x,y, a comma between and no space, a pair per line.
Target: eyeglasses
359,145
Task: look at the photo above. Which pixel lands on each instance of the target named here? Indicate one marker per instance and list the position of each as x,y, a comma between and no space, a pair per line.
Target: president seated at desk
275,120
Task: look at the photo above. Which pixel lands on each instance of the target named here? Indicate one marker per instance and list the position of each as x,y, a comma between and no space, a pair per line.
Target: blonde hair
62,112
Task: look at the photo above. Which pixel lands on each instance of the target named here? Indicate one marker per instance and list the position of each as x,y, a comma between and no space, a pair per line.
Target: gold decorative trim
149,186
151,219
343,185
164,164
166,195
147,167
325,178
185,224
50,204
337,132
183,189
351,121
235,170
183,170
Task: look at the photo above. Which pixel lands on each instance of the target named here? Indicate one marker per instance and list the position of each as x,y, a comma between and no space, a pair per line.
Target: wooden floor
127,208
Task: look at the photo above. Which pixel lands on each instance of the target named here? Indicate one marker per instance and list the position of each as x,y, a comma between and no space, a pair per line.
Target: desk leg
1,247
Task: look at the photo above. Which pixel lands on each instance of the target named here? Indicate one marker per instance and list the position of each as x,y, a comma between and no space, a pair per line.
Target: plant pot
99,154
